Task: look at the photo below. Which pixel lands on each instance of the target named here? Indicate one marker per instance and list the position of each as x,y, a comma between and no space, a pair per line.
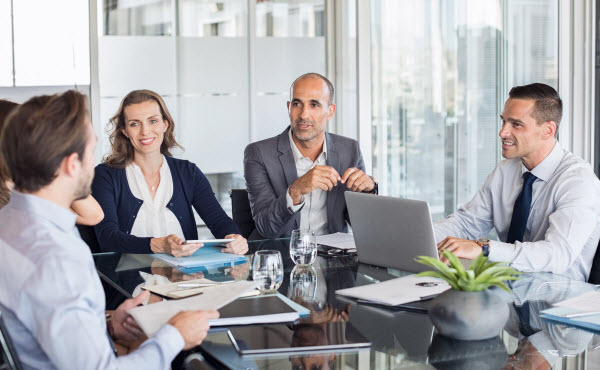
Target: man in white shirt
543,201
297,179
51,298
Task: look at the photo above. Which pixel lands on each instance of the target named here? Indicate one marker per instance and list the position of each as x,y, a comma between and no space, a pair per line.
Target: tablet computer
209,242
281,339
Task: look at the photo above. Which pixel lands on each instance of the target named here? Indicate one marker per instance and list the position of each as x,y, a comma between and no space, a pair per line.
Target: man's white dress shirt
154,219
564,224
51,298
313,208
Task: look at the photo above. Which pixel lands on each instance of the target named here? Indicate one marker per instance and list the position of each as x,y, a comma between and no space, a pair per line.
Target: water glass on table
267,270
303,246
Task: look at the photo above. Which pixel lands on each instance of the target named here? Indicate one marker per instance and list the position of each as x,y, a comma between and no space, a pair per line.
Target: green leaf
478,264
502,286
438,265
455,263
492,272
439,275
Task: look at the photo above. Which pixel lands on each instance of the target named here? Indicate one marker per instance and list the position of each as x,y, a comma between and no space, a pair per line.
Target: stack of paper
342,241
398,291
152,317
203,257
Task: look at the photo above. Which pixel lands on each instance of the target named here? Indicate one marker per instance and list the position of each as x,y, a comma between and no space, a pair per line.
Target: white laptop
391,232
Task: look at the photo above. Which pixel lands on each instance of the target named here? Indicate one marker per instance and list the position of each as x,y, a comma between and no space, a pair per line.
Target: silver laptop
391,232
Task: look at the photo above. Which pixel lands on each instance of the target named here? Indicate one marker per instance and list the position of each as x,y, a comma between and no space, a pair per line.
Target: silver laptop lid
391,232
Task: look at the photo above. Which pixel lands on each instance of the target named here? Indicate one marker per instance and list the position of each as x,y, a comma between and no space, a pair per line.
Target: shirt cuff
170,340
290,202
502,252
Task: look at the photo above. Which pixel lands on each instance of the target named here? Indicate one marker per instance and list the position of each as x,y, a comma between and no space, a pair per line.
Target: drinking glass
267,270
303,246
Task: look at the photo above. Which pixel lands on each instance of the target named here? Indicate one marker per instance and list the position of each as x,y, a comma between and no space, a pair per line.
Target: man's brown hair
548,105
39,134
121,149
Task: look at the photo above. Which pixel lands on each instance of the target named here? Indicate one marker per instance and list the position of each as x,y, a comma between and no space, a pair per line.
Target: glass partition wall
441,71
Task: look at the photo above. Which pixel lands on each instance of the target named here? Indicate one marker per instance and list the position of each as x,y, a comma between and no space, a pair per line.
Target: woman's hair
6,107
121,151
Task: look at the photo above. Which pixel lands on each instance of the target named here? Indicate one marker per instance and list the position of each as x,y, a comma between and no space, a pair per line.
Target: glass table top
399,339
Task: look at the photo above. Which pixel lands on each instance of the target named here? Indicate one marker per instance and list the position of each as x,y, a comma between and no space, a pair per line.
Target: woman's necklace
150,186
153,187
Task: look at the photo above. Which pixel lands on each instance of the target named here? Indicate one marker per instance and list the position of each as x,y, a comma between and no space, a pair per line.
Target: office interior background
420,83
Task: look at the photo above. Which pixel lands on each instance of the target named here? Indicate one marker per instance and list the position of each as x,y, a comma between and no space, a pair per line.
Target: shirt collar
296,151
59,216
548,166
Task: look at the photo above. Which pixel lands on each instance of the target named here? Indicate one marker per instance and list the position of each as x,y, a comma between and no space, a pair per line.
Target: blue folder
556,315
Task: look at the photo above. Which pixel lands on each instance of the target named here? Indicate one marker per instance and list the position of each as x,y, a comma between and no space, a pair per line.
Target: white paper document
338,240
587,302
397,291
152,317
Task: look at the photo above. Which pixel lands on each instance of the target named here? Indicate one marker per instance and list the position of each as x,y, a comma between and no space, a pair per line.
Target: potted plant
469,311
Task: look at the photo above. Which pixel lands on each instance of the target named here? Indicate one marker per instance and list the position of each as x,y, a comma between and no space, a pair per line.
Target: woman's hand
173,245
238,246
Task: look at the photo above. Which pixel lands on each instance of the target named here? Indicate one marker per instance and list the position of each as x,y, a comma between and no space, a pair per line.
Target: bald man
297,178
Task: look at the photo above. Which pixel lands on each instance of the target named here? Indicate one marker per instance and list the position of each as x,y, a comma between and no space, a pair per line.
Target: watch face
483,241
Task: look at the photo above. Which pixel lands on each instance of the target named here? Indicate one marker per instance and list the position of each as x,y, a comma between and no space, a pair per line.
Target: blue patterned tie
518,222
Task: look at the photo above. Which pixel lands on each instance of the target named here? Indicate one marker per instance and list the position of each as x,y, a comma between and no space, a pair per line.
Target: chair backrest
8,355
595,273
88,235
242,214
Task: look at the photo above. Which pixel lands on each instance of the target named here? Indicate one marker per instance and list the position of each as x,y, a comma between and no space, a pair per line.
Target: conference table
400,339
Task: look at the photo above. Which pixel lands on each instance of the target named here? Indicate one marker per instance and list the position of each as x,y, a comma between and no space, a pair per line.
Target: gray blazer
269,169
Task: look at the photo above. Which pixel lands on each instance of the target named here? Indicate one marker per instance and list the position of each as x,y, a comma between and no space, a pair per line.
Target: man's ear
331,111
71,165
549,130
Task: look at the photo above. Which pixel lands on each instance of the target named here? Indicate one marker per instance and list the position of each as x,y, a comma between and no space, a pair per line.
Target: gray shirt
564,224
51,298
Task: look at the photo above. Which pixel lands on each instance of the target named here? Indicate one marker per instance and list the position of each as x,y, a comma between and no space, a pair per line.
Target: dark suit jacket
269,169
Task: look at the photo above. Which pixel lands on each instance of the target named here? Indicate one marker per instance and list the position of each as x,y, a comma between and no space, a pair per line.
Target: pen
195,285
199,285
581,314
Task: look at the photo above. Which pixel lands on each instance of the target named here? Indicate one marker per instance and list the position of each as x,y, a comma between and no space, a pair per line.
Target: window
441,71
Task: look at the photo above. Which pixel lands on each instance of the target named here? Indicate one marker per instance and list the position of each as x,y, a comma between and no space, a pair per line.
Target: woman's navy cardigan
190,188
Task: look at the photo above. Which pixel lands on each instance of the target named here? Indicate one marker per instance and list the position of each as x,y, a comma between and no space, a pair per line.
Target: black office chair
242,214
595,273
8,355
88,235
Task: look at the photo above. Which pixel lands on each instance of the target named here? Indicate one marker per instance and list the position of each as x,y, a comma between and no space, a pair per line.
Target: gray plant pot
469,315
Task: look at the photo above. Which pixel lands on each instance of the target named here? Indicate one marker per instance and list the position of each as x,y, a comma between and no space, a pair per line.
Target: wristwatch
484,243
375,189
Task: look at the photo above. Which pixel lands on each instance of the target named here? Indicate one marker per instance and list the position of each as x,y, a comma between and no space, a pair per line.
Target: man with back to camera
543,201
298,178
51,298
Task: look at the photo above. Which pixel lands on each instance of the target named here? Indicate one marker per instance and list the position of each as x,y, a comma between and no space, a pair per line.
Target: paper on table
173,290
587,302
397,291
202,257
338,240
152,317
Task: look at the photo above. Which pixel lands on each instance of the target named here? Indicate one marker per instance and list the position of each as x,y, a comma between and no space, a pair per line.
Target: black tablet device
261,340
